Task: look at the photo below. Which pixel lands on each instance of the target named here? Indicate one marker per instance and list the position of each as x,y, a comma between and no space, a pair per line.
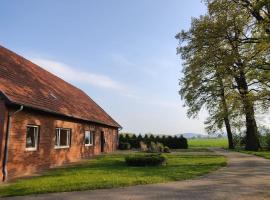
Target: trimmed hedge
173,142
124,146
145,160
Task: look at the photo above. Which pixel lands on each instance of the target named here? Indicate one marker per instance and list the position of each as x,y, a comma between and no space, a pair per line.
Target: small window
88,139
62,138
32,137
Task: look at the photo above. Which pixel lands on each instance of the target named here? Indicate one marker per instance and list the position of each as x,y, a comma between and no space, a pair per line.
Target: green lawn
111,171
264,154
194,150
208,142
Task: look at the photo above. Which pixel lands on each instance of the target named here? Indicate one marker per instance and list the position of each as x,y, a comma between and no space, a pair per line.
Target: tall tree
259,24
223,38
260,10
203,84
235,24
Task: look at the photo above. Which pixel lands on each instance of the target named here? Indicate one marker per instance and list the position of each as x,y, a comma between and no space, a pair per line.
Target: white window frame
91,141
36,138
57,146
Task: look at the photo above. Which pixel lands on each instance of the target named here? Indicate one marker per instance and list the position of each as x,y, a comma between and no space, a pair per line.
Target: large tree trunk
226,113
252,141
229,132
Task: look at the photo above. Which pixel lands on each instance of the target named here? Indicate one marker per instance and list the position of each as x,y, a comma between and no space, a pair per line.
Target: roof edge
5,97
58,113
11,101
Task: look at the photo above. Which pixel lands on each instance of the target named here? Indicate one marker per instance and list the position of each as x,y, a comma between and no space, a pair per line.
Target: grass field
111,171
208,142
264,154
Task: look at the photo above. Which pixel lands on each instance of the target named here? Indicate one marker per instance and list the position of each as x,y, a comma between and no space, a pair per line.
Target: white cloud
151,66
69,73
72,74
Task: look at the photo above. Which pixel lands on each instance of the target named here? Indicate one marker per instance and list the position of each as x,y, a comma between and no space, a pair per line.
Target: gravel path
246,177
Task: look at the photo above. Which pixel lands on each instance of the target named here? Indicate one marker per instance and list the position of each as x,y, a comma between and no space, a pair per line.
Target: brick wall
22,162
3,123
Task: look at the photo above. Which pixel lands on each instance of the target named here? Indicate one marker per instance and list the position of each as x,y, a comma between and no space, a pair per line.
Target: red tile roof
25,83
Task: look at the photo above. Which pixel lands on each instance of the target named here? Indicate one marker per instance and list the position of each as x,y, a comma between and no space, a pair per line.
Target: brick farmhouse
45,121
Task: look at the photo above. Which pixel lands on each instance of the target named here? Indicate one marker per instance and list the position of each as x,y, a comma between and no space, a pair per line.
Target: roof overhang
10,102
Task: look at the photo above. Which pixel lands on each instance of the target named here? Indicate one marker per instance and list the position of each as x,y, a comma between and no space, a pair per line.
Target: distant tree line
173,142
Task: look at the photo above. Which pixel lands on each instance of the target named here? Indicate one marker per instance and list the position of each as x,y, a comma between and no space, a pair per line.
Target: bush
124,146
182,142
267,140
169,141
160,147
145,160
143,146
243,141
153,148
134,142
166,150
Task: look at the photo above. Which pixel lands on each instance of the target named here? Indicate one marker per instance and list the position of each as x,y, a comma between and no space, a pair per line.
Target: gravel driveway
246,177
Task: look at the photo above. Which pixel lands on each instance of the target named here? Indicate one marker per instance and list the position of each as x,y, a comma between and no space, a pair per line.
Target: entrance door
102,141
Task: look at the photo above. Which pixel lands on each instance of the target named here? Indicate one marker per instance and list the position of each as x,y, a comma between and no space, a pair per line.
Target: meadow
109,171
208,142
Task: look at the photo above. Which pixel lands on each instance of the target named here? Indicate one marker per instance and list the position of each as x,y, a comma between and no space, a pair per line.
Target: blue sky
122,53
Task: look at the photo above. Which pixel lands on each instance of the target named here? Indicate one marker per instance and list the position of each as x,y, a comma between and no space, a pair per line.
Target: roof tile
24,82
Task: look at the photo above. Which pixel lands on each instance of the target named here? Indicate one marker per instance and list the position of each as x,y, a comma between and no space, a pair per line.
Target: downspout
4,169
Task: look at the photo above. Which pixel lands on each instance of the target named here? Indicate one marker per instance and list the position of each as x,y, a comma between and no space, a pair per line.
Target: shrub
124,146
153,148
134,143
175,142
239,140
140,138
158,139
243,141
145,160
122,138
172,142
166,150
143,146
182,142
267,140
146,139
160,147
236,140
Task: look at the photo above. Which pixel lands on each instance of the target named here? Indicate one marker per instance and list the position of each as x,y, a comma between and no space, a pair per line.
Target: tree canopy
226,68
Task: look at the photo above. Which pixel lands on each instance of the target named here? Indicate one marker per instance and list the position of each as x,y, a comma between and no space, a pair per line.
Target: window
32,137
62,138
88,138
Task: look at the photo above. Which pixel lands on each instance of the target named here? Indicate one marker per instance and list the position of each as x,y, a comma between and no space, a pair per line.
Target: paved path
245,178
